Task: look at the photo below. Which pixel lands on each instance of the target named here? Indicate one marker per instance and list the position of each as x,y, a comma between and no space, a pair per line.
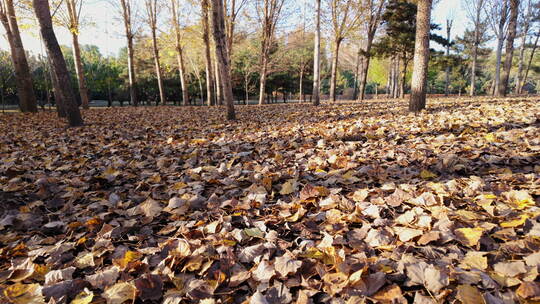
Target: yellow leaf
468,294
426,174
490,137
24,294
474,260
356,277
199,141
469,236
179,185
515,223
288,187
519,199
85,297
129,256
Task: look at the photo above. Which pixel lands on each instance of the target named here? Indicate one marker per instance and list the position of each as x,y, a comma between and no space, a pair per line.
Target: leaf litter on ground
343,203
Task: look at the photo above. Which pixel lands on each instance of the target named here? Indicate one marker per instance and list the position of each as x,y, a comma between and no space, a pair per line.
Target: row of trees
229,58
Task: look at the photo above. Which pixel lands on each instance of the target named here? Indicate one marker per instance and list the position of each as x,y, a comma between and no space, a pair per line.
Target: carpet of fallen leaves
345,203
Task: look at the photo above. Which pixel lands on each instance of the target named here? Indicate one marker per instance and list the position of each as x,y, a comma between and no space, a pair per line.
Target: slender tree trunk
521,64
219,85
473,70
262,80
79,70
23,78
512,27
535,46
222,57
207,51
403,78
498,57
317,56
365,69
395,77
447,72
477,22
421,57
181,70
357,73
157,64
246,87
335,61
363,77
500,44
43,14
126,15
179,53
301,88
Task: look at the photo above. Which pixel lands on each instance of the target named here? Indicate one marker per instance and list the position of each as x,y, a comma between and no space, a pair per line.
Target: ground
344,203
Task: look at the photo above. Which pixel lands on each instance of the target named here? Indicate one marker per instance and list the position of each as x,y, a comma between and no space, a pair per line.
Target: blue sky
106,30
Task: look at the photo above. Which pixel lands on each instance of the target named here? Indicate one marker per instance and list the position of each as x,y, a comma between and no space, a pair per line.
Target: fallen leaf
469,236
119,293
468,294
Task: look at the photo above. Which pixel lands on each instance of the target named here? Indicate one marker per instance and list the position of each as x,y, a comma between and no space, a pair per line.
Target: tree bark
512,27
500,44
262,80
151,9
335,61
179,52
79,68
301,88
533,51
477,24
519,76
219,85
23,78
43,14
447,71
403,78
222,57
373,24
126,14
421,57
364,71
207,51
317,56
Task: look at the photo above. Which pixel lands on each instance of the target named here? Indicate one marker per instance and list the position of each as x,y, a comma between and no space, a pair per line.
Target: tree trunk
535,46
473,67
365,69
246,87
262,80
126,14
219,85
403,78
79,70
301,87
521,63
447,71
43,14
421,57
207,50
512,26
317,56
335,61
179,53
23,78
500,43
222,57
181,70
157,64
